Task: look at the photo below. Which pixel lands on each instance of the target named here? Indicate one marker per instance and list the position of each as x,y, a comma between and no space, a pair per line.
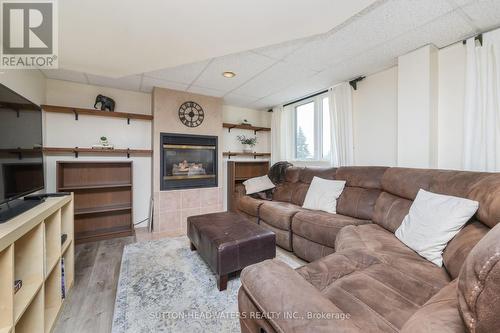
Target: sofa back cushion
401,185
479,285
460,246
297,181
361,191
390,210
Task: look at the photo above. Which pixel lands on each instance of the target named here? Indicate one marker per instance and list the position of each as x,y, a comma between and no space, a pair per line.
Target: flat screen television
21,157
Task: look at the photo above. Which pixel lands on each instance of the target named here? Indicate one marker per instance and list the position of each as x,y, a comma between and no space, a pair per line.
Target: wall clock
191,114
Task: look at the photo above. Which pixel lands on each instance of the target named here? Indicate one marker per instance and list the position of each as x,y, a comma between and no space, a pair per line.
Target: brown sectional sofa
359,272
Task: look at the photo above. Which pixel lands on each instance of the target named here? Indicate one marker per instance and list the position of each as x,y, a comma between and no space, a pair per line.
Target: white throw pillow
258,184
433,220
323,194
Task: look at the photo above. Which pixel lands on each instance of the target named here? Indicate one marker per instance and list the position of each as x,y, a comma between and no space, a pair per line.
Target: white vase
247,149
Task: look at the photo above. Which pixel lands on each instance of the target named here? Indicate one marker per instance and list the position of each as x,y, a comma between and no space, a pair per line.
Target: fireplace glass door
189,164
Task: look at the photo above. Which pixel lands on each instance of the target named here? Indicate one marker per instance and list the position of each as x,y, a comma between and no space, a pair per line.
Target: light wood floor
90,304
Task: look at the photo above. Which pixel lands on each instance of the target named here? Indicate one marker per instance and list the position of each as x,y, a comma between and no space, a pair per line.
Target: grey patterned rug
166,287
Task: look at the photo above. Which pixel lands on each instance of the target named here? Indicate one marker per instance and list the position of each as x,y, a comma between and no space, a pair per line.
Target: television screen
21,158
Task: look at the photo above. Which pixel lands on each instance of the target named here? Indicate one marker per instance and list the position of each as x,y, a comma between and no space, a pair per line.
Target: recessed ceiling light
229,74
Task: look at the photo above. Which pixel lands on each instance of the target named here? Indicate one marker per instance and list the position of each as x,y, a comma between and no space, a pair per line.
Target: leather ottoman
229,242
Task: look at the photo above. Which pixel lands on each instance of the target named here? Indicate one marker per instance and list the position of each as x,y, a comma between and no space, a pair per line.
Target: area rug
166,287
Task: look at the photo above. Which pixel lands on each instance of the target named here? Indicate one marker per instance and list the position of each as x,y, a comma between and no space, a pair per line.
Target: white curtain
340,101
482,104
282,134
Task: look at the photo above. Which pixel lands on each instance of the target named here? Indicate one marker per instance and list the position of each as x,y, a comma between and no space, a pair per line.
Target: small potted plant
104,141
248,143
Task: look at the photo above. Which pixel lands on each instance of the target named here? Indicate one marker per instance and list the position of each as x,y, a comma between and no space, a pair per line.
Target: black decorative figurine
106,103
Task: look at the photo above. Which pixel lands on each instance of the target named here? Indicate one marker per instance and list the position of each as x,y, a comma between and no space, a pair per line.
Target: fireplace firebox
188,161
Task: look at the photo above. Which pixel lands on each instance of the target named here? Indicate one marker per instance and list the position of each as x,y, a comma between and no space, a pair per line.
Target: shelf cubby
69,268
28,267
7,288
31,251
53,297
52,241
32,319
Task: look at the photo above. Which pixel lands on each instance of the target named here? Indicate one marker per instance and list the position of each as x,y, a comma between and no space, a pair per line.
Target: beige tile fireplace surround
172,207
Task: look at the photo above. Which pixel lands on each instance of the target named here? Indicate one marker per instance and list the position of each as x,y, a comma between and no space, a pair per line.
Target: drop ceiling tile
276,78
280,51
238,100
132,82
65,75
462,2
383,23
246,65
149,83
181,74
206,91
485,14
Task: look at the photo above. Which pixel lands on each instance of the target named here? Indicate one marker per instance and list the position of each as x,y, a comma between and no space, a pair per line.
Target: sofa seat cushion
380,295
389,250
321,227
250,205
371,237
278,214
439,314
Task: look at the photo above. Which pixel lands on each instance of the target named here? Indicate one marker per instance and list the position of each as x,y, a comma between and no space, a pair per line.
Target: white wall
375,107
62,130
29,83
451,106
417,108
235,115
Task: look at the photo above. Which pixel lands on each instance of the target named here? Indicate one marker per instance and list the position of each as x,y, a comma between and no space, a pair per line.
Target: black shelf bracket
128,152
76,114
229,129
128,121
17,113
76,149
19,153
354,83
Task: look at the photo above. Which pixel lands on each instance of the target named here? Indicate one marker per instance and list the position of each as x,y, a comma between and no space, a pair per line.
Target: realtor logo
29,34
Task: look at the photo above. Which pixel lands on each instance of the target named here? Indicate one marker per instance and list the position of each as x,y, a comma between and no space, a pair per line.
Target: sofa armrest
290,303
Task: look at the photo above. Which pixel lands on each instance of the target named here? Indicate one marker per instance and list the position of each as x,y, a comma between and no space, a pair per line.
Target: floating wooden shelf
8,152
255,129
93,112
254,155
77,150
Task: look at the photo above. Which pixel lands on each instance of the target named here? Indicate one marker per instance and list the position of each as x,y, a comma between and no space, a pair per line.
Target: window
312,129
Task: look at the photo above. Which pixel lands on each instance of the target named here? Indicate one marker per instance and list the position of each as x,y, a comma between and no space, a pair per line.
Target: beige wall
166,105
375,108
173,207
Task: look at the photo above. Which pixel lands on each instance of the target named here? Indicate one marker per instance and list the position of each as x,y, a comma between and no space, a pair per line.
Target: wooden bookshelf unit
237,173
31,251
103,198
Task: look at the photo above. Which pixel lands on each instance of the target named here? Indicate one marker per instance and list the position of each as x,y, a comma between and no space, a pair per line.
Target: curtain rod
304,98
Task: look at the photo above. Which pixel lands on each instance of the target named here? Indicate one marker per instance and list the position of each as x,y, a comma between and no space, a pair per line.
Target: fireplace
188,161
